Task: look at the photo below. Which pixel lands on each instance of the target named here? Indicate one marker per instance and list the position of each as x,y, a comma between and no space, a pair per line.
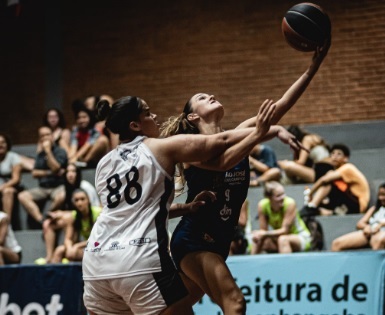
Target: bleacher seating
367,153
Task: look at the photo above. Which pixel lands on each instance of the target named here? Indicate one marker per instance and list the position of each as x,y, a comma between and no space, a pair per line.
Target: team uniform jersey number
132,191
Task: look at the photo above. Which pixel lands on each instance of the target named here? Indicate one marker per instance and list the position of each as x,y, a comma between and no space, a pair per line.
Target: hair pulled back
120,114
179,124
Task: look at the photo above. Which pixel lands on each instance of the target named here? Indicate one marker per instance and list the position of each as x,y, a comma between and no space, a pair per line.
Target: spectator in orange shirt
345,188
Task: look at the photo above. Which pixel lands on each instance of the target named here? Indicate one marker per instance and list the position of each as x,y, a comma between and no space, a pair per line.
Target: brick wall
167,51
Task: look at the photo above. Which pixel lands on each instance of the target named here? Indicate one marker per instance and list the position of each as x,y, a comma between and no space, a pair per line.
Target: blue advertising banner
41,290
349,283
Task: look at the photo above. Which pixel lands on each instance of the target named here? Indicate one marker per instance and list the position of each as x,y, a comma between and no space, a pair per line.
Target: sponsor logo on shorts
140,241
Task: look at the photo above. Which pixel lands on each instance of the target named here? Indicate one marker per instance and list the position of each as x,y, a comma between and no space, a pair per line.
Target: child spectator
10,250
371,228
288,232
346,188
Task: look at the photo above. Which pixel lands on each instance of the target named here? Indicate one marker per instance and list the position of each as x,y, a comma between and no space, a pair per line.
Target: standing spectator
288,232
263,165
346,188
371,228
78,227
88,145
57,219
54,119
49,167
10,250
303,169
10,174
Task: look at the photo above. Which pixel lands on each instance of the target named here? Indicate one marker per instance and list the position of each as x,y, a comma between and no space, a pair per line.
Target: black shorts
338,198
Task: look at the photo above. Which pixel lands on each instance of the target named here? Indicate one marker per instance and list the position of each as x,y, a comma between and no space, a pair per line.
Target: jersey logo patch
140,241
225,213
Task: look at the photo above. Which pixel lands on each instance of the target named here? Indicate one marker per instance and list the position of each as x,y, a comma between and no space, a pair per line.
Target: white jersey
130,235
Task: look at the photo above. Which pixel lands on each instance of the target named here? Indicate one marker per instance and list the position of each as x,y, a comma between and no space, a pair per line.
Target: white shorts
305,240
147,294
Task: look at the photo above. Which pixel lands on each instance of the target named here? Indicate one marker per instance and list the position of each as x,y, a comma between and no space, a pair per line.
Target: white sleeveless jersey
130,236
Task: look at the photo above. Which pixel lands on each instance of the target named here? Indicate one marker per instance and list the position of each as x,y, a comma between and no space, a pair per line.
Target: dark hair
120,114
297,131
82,108
62,123
378,203
71,188
342,147
78,218
7,140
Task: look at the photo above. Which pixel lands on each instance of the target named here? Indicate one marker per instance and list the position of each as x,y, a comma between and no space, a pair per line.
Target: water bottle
306,196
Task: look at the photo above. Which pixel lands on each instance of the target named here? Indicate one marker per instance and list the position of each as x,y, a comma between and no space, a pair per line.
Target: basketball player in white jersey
127,268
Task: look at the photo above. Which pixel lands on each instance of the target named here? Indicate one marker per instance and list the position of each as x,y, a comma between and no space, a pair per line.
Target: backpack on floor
316,231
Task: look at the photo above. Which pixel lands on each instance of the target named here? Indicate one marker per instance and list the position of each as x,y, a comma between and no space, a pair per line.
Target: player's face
205,105
381,196
148,122
80,200
338,157
277,198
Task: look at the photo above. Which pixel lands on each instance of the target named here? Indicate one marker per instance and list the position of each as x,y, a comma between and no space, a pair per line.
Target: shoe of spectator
65,261
41,261
307,211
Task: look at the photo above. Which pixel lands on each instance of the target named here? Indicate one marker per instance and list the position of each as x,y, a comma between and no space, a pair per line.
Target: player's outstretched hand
264,117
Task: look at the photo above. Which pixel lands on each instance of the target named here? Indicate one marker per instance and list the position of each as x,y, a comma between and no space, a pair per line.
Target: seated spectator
90,103
88,145
240,243
302,170
346,189
56,220
263,165
371,228
10,250
281,228
49,167
54,119
77,229
10,174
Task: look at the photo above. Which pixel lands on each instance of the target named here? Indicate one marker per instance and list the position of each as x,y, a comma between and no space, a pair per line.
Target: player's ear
135,126
192,117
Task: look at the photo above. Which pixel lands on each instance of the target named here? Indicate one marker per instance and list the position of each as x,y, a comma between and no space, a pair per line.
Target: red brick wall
165,52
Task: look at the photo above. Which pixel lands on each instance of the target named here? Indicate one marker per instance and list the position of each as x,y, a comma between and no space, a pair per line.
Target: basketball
306,26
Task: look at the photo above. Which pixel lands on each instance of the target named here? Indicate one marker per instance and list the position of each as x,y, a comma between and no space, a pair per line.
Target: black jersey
212,227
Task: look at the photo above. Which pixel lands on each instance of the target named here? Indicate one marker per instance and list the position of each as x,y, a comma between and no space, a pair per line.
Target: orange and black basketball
306,26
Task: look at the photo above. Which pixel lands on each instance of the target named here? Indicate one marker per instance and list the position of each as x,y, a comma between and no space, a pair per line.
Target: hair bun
102,109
